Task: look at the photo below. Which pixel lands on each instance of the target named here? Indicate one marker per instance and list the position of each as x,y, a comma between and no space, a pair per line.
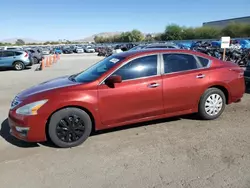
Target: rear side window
179,62
7,54
18,53
204,62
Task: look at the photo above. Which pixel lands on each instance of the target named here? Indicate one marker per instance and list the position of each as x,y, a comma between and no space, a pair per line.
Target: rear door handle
200,76
153,85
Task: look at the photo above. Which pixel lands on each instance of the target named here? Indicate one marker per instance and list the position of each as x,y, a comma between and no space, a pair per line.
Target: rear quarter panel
224,74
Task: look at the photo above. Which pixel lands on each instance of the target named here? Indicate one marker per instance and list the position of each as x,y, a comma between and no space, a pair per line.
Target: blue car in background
57,50
18,60
244,43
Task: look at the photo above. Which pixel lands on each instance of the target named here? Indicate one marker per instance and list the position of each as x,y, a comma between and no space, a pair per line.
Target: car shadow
5,131
136,125
3,69
5,134
247,88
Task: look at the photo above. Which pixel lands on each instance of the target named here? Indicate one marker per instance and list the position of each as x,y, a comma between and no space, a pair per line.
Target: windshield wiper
72,78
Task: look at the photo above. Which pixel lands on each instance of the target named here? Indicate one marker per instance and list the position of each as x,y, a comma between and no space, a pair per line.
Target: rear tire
36,61
69,127
19,66
212,104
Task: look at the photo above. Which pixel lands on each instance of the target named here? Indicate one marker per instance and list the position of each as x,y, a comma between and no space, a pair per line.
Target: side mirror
113,79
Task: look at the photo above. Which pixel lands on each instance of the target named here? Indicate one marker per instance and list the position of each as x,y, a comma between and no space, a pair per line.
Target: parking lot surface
180,152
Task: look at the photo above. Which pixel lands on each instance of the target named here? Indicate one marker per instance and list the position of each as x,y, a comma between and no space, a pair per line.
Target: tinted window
204,62
138,68
7,54
32,51
170,47
179,62
18,53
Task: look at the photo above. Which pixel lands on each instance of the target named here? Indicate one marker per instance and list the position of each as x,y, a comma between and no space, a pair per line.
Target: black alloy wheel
70,129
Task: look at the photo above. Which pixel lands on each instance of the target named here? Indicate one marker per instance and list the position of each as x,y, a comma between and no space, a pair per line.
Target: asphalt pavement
180,152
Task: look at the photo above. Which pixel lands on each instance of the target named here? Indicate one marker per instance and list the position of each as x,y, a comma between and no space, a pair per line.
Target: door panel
7,58
139,95
130,100
184,81
182,91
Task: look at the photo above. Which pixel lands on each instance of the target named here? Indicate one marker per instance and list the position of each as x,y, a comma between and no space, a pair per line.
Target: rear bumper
29,63
247,78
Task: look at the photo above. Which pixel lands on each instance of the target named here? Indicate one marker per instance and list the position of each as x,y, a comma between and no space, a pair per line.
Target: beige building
224,23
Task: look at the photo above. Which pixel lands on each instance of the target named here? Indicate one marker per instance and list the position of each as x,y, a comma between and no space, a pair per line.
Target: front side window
7,54
98,69
139,68
179,62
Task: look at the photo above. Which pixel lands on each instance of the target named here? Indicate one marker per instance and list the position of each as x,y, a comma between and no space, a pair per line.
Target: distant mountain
87,39
26,40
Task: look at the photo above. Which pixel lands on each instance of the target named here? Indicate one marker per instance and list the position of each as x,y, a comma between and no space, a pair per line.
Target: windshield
98,69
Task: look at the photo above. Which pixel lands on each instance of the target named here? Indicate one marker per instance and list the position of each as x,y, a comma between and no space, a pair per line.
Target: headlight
31,109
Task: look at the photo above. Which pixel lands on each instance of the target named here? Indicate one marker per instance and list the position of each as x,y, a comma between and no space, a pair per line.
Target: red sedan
122,89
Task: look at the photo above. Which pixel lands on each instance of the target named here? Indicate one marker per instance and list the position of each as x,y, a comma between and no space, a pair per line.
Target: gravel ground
176,153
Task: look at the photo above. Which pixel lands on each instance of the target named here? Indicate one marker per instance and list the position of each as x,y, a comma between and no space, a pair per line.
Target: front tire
212,104
69,127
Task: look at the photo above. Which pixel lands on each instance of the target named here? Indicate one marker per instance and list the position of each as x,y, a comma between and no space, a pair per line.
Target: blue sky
76,19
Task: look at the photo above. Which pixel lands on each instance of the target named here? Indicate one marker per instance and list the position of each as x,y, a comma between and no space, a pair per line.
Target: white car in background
89,49
12,48
79,50
45,51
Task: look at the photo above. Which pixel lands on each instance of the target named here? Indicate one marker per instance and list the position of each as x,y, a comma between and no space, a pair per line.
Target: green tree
173,32
159,37
136,36
20,42
188,33
236,30
149,38
207,33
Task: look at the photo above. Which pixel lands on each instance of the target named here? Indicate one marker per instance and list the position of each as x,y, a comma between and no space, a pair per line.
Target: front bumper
27,128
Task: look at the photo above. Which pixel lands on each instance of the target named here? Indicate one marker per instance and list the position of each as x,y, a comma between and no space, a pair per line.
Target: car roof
134,53
148,51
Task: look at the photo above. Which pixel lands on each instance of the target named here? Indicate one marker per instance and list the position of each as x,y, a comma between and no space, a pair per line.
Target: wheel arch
16,62
70,106
224,90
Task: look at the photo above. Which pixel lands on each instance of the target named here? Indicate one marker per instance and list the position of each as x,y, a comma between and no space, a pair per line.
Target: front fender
89,102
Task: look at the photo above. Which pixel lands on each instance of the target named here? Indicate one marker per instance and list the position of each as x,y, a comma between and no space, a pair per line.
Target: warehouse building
224,23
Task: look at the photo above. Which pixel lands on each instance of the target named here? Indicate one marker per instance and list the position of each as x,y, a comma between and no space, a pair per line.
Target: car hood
47,86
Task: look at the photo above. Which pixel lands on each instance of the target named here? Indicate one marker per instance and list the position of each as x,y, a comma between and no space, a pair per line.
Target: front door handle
153,85
200,76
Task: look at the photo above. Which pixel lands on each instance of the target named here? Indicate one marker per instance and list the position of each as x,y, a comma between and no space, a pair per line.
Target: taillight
240,71
26,54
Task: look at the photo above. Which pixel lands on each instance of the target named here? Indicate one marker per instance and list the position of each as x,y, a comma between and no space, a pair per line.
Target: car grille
15,102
